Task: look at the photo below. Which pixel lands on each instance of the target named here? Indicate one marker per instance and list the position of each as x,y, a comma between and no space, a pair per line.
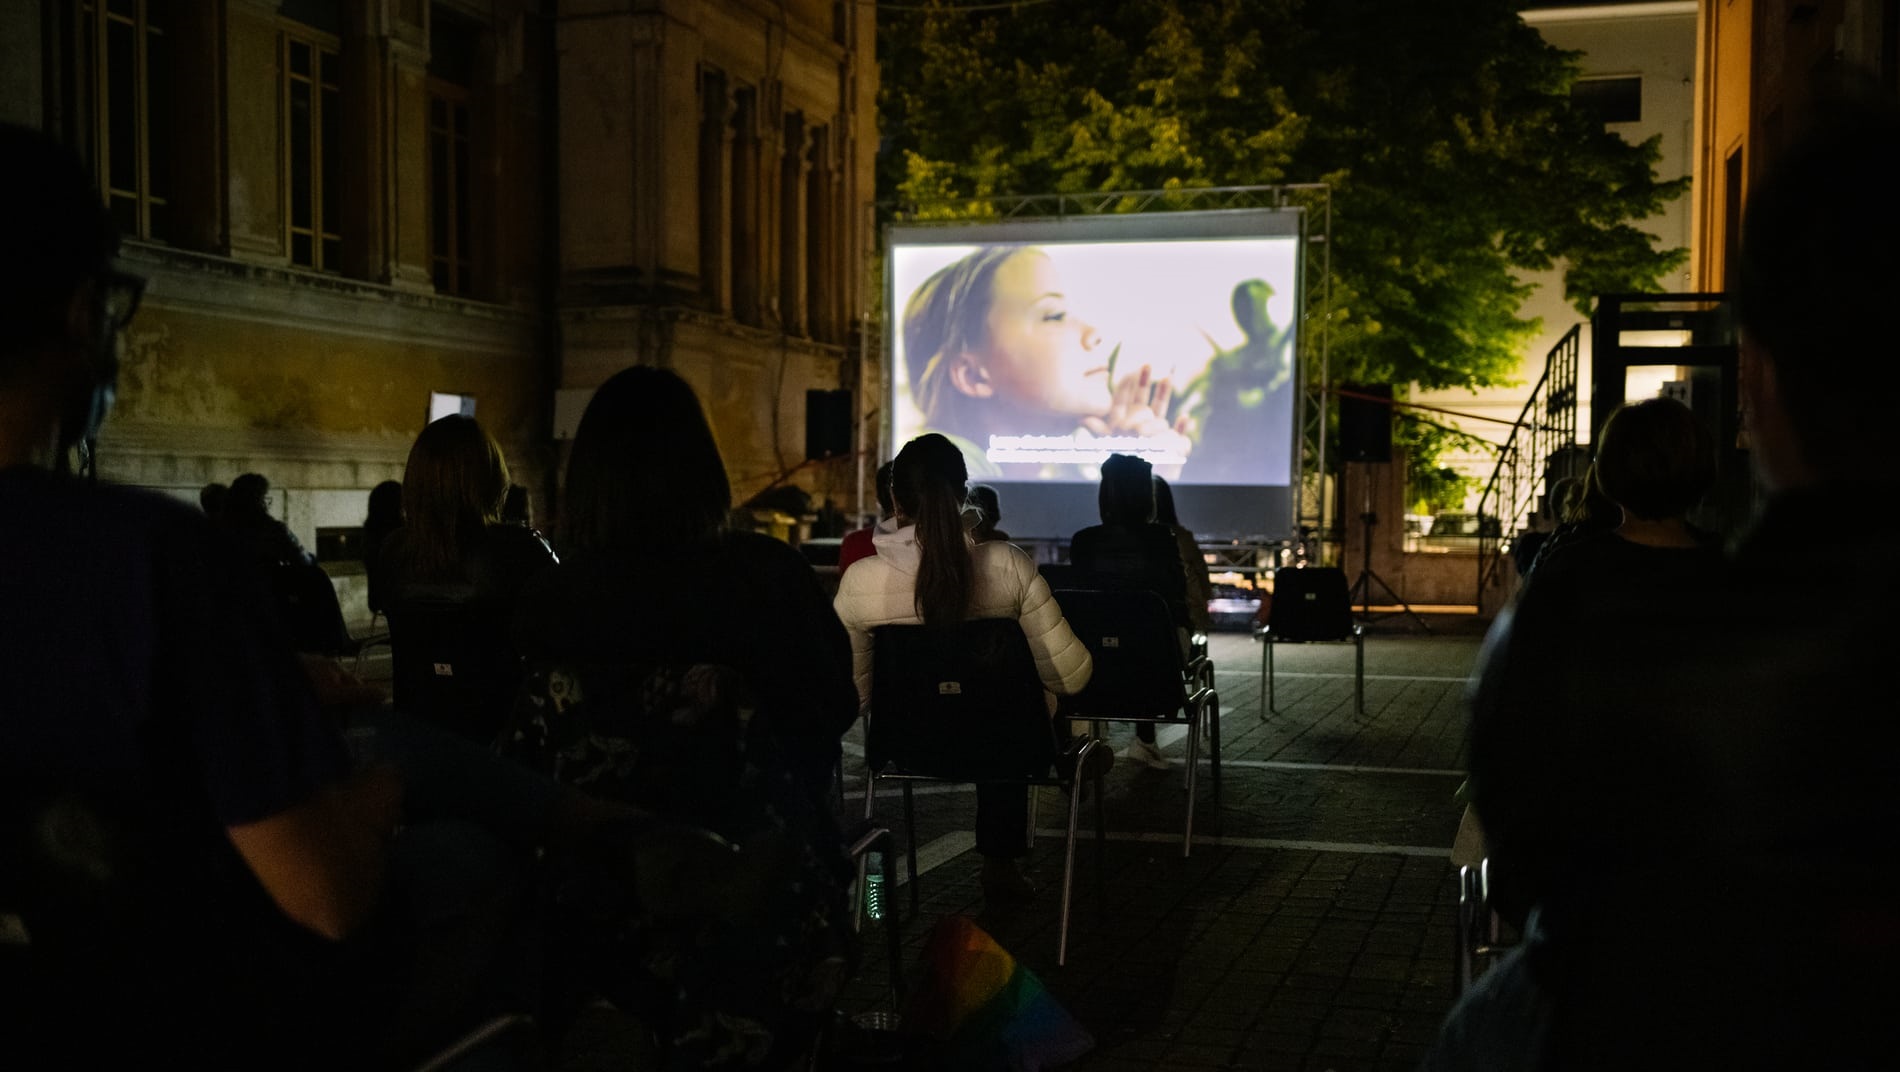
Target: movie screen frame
1239,343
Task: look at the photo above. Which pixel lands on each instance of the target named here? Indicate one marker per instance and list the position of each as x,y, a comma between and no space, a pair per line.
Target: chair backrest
452,662
1310,603
1136,646
1060,575
958,702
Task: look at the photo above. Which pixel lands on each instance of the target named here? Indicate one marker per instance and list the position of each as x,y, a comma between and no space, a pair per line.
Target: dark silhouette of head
1817,272
1127,496
452,489
211,499
62,305
514,506
249,498
983,497
1654,459
385,506
645,472
928,481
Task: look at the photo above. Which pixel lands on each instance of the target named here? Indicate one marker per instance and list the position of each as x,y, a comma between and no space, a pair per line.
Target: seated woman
451,577
701,675
1130,550
928,572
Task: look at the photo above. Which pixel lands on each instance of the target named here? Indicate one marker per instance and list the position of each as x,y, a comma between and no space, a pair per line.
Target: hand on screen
1139,407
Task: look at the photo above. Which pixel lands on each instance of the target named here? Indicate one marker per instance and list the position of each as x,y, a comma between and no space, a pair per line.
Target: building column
794,167
715,188
386,142
746,245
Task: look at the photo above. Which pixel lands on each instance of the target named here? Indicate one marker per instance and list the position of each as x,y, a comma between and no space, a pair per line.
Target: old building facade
347,209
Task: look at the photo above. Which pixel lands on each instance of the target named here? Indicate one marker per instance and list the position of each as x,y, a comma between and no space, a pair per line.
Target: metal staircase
1541,450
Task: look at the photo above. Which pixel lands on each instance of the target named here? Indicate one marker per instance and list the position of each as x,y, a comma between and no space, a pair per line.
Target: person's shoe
1003,882
1140,751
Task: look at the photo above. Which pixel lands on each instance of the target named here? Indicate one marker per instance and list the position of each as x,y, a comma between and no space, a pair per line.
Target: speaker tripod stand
1361,591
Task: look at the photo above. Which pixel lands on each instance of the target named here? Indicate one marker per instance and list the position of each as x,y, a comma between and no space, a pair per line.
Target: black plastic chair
1311,605
1141,675
452,662
964,704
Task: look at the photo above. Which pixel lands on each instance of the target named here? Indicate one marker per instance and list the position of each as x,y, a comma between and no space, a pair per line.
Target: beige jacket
882,591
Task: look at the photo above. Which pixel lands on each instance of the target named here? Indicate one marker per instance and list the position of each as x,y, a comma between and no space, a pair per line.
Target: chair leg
910,857
1068,860
870,807
893,939
1213,740
1193,765
1466,935
1359,672
1035,801
1266,667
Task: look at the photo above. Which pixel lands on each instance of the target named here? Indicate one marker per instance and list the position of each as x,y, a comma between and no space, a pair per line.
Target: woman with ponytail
927,571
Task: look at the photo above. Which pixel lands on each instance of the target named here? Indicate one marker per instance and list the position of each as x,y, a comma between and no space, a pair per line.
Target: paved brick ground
1312,926
1310,929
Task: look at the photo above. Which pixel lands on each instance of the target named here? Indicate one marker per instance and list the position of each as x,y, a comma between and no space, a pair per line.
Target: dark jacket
1690,763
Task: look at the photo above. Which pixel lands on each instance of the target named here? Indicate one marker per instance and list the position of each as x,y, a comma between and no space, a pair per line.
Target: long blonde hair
946,316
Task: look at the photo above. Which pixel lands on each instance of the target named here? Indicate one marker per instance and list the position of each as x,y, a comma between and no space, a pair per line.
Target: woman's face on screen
1040,354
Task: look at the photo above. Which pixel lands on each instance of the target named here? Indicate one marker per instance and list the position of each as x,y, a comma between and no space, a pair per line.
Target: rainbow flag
983,1010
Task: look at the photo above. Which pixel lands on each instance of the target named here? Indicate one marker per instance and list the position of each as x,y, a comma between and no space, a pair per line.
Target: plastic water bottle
874,885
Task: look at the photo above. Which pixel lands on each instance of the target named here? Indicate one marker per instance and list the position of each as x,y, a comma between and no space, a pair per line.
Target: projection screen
1040,347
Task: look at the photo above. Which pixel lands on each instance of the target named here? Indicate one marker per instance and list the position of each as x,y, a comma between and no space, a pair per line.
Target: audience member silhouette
454,573
211,499
700,674
1585,511
516,508
217,894
1129,549
860,544
1654,463
990,509
261,538
1200,588
382,520
300,590
927,571
1543,523
1693,796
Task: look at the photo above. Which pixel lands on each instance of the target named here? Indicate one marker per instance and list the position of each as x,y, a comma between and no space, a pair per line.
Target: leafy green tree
1446,131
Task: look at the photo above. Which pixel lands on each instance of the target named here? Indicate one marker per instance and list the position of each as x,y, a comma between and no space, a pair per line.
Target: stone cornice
230,289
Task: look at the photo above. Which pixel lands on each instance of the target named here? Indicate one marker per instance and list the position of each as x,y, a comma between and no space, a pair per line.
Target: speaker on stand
1365,436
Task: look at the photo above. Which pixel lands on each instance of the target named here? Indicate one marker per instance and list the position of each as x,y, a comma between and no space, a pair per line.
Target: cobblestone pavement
1310,929
1312,926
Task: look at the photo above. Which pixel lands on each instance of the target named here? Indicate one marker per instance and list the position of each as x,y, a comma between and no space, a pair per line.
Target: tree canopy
1446,130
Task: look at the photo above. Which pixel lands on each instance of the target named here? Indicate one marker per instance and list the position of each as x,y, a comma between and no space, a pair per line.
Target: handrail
1546,430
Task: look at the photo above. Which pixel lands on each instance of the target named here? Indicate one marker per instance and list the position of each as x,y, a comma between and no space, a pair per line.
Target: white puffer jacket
882,590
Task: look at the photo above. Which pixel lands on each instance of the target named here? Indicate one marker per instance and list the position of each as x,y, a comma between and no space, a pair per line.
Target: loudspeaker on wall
1365,427
827,423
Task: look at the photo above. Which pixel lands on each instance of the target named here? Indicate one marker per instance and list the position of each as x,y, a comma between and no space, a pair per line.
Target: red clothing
854,546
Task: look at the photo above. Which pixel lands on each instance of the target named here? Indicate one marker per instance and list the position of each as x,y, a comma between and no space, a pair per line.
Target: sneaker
1003,882
1140,751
